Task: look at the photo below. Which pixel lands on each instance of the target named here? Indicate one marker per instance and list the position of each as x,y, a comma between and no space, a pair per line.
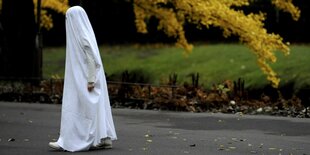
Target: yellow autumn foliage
287,6
0,6
172,14
59,6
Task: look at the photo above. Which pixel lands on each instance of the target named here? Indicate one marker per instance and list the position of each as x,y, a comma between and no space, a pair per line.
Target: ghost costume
86,116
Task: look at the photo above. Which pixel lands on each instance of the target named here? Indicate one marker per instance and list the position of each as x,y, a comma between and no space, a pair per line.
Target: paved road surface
26,129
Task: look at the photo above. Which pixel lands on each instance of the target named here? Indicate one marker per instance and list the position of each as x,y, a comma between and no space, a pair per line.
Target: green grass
54,61
215,63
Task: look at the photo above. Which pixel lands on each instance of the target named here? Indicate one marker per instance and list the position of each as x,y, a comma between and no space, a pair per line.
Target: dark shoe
106,143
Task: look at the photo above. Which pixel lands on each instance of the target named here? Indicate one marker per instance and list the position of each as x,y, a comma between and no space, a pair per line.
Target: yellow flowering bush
172,14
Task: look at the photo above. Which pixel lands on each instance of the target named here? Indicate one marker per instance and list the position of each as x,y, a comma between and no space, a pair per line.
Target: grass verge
215,63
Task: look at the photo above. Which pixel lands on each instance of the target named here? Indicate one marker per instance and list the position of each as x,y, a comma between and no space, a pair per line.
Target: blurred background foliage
114,23
124,49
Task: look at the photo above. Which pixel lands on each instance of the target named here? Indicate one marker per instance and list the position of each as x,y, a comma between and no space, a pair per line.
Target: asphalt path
26,129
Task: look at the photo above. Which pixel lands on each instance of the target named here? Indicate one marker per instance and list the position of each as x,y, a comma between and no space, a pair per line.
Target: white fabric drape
86,116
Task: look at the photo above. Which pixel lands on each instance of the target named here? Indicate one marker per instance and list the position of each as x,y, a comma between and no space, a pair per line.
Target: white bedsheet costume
86,116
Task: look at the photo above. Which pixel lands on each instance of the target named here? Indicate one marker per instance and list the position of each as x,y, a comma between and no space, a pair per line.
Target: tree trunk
19,58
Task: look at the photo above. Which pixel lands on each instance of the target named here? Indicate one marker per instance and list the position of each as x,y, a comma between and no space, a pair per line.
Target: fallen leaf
234,139
259,110
11,140
221,148
239,113
254,152
192,145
